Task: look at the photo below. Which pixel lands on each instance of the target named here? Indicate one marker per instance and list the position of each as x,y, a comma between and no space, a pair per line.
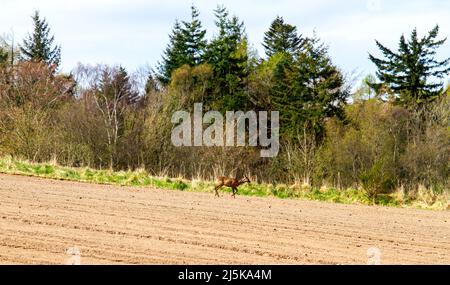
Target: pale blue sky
135,32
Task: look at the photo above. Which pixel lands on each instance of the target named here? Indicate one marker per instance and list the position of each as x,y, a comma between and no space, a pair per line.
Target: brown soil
40,219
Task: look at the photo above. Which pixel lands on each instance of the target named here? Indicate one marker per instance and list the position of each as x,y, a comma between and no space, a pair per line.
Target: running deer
233,183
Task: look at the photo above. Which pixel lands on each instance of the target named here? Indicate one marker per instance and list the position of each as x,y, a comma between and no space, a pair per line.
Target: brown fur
233,183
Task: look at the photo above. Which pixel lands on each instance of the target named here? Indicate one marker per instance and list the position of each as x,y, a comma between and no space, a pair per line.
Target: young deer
233,183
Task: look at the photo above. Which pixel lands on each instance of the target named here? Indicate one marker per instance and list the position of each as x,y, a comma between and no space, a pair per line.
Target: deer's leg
234,192
217,192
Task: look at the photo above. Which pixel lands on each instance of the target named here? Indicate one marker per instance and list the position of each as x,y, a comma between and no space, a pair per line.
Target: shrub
377,180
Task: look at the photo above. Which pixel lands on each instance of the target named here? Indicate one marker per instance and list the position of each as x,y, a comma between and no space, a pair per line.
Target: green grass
140,178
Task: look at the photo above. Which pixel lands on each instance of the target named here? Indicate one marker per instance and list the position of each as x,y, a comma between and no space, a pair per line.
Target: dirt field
41,219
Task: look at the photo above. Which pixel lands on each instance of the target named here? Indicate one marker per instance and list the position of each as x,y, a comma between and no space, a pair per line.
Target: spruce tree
228,55
307,90
39,45
411,72
282,37
174,54
187,46
194,37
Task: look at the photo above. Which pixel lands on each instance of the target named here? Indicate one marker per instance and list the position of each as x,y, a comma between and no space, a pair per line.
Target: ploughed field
41,219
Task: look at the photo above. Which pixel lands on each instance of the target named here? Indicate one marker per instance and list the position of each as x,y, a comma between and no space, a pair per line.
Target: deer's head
245,180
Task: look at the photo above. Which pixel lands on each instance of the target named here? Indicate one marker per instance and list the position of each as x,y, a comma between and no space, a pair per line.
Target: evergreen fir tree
307,90
282,37
409,71
228,55
174,54
187,46
39,45
194,37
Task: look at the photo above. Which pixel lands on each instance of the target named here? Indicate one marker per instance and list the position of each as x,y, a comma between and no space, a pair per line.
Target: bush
377,180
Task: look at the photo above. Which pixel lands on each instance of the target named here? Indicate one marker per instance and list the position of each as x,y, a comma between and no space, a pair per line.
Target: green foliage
194,37
365,91
227,53
282,38
307,90
174,55
346,152
190,85
377,180
123,178
373,132
39,45
187,46
381,147
261,82
410,70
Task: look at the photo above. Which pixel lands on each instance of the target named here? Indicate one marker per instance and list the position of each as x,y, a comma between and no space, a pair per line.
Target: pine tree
187,46
228,55
282,37
39,45
174,55
410,72
307,90
194,37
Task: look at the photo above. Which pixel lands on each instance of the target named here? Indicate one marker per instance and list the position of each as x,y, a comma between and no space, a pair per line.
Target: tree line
389,132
